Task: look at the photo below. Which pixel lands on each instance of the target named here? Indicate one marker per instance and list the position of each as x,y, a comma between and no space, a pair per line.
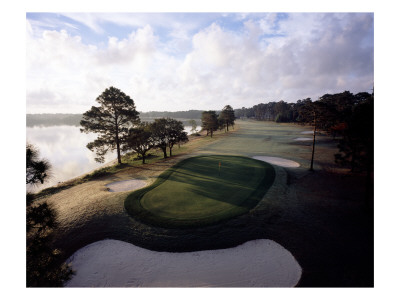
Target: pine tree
227,116
43,265
209,121
111,121
139,140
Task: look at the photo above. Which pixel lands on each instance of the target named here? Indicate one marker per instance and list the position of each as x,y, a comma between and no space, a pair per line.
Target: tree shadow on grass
241,190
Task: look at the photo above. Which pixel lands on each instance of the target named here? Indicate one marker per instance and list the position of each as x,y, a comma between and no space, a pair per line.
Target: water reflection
188,129
65,148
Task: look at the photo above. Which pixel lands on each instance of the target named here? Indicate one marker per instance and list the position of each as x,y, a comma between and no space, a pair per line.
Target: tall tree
176,133
111,121
317,114
140,140
159,134
356,148
227,116
209,121
167,132
43,265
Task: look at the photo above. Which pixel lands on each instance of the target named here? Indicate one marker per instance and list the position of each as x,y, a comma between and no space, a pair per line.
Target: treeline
189,115
346,116
282,111
119,127
212,121
58,119
53,119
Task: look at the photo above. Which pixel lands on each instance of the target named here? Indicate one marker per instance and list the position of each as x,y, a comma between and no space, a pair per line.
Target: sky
29,40
182,61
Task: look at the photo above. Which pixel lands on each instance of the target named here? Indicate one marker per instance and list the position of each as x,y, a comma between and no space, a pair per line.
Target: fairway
202,190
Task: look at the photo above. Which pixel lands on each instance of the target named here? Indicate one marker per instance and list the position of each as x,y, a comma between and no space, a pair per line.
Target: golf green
202,190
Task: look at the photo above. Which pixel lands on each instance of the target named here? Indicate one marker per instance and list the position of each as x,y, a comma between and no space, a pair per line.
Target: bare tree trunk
118,148
165,152
313,145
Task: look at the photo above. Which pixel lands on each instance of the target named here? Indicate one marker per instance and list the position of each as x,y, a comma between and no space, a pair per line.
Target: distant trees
244,112
193,123
165,133
209,121
345,115
189,114
159,134
140,140
342,104
43,265
357,145
227,116
176,134
111,121
316,114
53,119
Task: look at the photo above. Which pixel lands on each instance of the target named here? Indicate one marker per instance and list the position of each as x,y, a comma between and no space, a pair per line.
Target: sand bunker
126,185
112,263
278,161
303,139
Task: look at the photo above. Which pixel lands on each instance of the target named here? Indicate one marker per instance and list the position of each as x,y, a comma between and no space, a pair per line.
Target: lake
65,148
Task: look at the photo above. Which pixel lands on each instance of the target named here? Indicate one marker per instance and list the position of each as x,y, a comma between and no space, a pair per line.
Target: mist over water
189,128
65,148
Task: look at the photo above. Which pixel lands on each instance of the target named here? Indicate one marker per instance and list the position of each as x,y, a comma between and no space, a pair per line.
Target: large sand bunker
126,185
112,263
278,161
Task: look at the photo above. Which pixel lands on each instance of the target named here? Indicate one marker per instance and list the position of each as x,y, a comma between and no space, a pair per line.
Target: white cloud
314,54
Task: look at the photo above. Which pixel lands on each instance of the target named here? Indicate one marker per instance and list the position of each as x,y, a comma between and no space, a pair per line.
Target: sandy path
112,263
126,185
278,161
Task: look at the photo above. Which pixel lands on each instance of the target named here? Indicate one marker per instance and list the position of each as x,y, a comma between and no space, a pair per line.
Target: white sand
278,161
303,139
112,263
126,185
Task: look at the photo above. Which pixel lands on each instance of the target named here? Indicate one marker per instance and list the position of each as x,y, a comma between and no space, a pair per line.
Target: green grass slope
197,192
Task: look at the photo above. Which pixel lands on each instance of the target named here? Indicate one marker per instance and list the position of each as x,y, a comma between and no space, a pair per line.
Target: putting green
202,190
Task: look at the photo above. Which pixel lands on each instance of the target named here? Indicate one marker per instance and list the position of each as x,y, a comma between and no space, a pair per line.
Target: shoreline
67,183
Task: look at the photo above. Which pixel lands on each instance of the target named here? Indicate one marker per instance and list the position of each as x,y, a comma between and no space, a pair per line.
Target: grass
131,162
195,193
320,216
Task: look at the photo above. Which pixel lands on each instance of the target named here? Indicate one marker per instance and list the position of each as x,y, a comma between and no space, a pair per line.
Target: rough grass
320,216
196,193
131,163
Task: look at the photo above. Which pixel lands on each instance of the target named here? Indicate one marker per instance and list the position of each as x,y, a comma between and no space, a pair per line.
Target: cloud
138,47
268,57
